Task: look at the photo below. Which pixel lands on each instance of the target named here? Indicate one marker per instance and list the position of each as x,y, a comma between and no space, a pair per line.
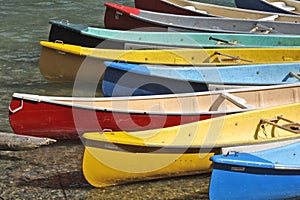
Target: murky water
23,24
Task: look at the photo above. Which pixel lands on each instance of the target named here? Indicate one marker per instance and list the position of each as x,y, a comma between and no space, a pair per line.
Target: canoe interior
192,8
293,7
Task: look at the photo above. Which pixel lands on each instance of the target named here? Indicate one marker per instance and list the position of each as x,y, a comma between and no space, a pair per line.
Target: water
23,24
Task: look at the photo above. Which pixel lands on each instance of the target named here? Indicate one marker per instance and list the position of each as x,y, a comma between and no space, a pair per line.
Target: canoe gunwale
181,95
246,166
173,57
45,99
149,148
140,146
55,99
96,34
152,71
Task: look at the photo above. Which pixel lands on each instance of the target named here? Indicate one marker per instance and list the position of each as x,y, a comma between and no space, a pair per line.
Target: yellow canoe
65,62
112,158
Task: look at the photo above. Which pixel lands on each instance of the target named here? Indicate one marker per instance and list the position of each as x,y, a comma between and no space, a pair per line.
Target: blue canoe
268,174
123,79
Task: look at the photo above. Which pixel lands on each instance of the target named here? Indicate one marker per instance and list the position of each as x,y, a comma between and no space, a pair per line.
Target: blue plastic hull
268,174
122,79
121,83
254,183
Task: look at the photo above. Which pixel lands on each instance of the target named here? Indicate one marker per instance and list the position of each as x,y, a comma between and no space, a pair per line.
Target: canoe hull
67,63
118,157
126,18
61,66
123,21
133,167
123,79
67,122
65,117
261,183
115,83
267,174
71,34
86,36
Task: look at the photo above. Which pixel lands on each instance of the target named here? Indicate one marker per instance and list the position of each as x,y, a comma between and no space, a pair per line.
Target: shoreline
54,172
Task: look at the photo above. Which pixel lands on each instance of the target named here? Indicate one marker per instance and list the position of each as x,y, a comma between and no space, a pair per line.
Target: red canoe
127,18
166,7
59,118
67,117
195,8
122,17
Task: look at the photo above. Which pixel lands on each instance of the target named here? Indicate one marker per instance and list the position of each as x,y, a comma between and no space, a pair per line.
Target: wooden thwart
240,102
291,126
230,57
294,74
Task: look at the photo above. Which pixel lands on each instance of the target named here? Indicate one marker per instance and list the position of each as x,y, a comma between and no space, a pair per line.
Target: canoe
282,6
125,79
87,36
66,63
112,157
269,174
185,7
127,18
67,117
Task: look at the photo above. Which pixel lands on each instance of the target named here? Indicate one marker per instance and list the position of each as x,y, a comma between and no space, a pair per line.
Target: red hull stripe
124,9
